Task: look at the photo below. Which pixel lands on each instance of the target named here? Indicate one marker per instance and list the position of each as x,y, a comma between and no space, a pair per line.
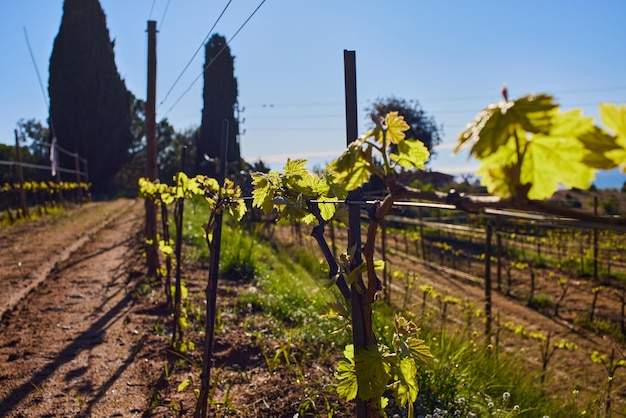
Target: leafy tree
220,98
89,103
421,126
611,206
37,135
34,149
138,125
169,144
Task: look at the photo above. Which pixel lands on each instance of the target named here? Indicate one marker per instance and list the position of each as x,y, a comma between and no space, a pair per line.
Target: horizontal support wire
41,167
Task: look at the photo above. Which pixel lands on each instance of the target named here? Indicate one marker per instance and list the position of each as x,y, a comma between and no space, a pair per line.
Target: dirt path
29,251
77,344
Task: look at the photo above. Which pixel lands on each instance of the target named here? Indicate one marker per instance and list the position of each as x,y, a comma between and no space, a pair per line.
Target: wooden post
211,289
488,283
152,257
386,276
20,177
595,241
422,243
361,311
77,169
499,253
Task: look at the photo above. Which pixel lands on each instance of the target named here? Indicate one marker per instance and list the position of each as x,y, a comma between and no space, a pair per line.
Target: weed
540,301
158,328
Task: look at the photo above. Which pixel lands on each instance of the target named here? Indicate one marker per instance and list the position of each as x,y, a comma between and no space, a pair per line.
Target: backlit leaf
372,373
396,126
406,389
346,374
354,167
411,154
494,125
614,118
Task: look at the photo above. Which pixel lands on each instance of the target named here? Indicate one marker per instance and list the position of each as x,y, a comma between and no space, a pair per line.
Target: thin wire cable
438,99
151,9
167,6
206,67
32,57
194,54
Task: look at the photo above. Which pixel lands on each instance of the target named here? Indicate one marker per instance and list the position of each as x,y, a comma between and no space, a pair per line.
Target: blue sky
452,56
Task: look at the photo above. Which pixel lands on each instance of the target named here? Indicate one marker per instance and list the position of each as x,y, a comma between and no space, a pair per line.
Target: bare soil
73,344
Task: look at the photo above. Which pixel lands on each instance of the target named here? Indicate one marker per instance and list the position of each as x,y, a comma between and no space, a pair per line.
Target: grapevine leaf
237,209
494,125
308,184
396,126
351,278
600,145
404,327
264,191
354,167
327,210
346,374
558,158
379,265
335,189
406,389
614,118
295,168
372,372
418,349
411,154
167,196
548,160
498,170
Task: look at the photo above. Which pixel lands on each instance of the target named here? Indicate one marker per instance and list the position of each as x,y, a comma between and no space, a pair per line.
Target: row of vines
515,140
22,200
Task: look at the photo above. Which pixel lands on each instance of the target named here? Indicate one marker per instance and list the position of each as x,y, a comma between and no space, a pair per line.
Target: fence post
20,176
359,333
77,169
383,245
595,241
152,256
499,253
488,283
421,225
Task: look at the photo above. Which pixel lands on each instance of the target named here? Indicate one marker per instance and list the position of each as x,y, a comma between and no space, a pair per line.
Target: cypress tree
89,103
220,99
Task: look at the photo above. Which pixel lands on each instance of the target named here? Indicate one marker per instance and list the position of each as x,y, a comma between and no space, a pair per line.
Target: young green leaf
354,167
346,374
372,372
495,125
394,127
411,154
406,390
614,118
